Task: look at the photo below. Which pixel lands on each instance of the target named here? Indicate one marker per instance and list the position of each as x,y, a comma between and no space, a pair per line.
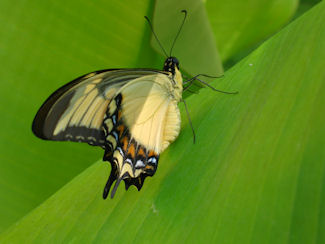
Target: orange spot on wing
121,129
149,167
132,150
151,153
141,152
119,115
125,142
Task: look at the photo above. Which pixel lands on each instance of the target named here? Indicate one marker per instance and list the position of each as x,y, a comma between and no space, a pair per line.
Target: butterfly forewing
75,112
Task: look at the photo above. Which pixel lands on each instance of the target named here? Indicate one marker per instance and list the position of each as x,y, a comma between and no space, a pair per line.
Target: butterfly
132,114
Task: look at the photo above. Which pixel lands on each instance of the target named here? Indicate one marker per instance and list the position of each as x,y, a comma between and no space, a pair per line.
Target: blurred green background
256,173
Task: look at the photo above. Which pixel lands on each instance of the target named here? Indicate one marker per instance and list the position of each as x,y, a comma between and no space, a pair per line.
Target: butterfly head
171,65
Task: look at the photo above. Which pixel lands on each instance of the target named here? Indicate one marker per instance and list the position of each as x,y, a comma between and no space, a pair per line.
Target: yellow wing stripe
91,111
99,115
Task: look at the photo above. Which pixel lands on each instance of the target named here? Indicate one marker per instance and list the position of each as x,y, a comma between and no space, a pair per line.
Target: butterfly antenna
214,89
189,119
161,46
179,31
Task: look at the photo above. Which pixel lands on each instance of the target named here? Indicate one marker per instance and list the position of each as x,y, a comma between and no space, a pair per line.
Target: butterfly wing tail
112,177
117,183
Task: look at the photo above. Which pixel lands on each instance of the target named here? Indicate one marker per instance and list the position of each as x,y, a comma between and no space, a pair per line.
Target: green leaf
255,175
43,45
240,25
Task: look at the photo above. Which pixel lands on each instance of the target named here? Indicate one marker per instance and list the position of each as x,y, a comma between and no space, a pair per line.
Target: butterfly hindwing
140,122
150,113
130,161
